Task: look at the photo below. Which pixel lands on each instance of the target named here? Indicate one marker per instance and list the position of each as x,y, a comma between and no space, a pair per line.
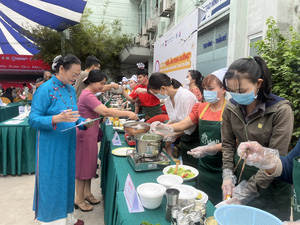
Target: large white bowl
169,180
186,192
151,194
194,170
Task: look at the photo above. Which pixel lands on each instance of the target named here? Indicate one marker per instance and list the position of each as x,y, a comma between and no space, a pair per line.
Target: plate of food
186,172
121,151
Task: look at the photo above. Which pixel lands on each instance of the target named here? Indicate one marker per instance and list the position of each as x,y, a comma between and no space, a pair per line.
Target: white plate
193,170
119,129
121,151
204,196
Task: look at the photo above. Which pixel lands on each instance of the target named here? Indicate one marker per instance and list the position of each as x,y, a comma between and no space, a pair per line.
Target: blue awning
16,15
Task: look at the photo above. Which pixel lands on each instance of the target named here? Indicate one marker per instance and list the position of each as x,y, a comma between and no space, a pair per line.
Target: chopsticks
244,163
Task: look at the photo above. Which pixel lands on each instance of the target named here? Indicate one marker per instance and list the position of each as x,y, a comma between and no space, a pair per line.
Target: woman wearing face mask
178,101
193,80
255,114
208,116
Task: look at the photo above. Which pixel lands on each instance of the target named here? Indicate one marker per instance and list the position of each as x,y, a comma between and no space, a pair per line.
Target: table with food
153,174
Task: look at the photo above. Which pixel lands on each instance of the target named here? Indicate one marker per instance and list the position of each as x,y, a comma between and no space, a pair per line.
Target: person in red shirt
150,104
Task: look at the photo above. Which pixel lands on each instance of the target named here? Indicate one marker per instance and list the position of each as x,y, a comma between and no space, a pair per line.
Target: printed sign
132,199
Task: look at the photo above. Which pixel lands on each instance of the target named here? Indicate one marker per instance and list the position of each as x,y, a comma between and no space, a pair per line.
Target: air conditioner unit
144,41
144,30
136,39
150,25
165,8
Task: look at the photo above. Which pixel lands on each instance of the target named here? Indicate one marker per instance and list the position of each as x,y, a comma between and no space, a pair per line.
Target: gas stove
139,163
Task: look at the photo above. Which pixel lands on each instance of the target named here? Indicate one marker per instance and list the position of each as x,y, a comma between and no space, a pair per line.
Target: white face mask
187,81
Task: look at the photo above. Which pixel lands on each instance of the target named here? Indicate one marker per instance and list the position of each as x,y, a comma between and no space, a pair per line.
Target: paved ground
17,196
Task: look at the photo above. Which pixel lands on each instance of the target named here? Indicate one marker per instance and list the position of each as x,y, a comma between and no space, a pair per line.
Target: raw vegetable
147,223
181,172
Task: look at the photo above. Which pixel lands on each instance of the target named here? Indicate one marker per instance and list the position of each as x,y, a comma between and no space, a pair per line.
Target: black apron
276,199
188,142
210,179
296,189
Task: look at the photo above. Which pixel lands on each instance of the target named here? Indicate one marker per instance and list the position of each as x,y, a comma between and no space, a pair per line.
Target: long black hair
197,76
253,68
95,76
66,62
157,80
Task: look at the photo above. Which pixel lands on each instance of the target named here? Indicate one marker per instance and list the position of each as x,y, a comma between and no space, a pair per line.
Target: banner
176,52
21,64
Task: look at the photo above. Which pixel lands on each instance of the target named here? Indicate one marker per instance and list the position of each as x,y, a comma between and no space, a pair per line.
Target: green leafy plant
281,51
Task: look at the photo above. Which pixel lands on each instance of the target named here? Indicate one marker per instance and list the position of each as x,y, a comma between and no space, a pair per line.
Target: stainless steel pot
148,145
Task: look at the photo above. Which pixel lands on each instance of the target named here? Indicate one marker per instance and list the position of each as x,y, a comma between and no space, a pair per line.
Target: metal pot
148,145
134,128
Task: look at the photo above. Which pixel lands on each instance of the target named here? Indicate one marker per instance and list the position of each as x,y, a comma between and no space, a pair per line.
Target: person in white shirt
178,101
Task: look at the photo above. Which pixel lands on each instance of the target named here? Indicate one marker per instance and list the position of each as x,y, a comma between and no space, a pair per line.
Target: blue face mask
244,98
160,96
211,96
128,86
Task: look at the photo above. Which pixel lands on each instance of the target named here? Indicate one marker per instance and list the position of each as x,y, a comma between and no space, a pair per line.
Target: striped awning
16,15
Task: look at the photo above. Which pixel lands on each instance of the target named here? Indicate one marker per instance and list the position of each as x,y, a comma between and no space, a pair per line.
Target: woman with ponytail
254,114
178,101
194,81
86,144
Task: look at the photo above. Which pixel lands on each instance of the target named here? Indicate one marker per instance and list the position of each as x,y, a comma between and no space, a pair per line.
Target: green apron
296,189
210,179
188,142
151,111
276,199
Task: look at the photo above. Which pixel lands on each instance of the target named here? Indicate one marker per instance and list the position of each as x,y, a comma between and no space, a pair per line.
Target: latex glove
141,90
230,201
228,183
258,156
291,223
202,151
161,128
242,194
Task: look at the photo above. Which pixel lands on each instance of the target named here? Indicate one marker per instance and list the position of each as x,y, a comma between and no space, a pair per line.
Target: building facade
224,34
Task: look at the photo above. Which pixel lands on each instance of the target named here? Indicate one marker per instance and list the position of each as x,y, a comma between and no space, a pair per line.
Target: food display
210,221
186,172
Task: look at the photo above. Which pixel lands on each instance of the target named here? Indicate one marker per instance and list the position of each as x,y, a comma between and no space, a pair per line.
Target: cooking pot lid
151,190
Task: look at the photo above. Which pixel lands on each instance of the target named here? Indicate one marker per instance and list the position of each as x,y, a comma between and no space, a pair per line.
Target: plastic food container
151,194
187,193
246,215
169,180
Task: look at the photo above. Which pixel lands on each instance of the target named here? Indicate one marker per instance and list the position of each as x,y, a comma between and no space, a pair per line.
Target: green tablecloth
17,148
9,111
114,171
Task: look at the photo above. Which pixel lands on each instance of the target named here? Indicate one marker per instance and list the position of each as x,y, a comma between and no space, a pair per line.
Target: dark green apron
296,189
276,199
188,142
151,111
210,179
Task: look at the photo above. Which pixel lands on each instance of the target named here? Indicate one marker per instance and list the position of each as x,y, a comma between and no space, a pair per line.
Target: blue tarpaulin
16,15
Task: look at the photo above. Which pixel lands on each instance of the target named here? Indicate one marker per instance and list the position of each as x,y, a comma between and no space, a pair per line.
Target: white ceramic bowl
151,194
169,180
204,198
192,169
186,192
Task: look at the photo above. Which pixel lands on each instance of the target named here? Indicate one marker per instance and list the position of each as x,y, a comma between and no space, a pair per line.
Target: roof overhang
132,54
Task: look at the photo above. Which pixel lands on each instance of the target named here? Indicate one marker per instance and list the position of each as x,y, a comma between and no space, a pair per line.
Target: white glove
228,183
165,130
201,151
258,156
